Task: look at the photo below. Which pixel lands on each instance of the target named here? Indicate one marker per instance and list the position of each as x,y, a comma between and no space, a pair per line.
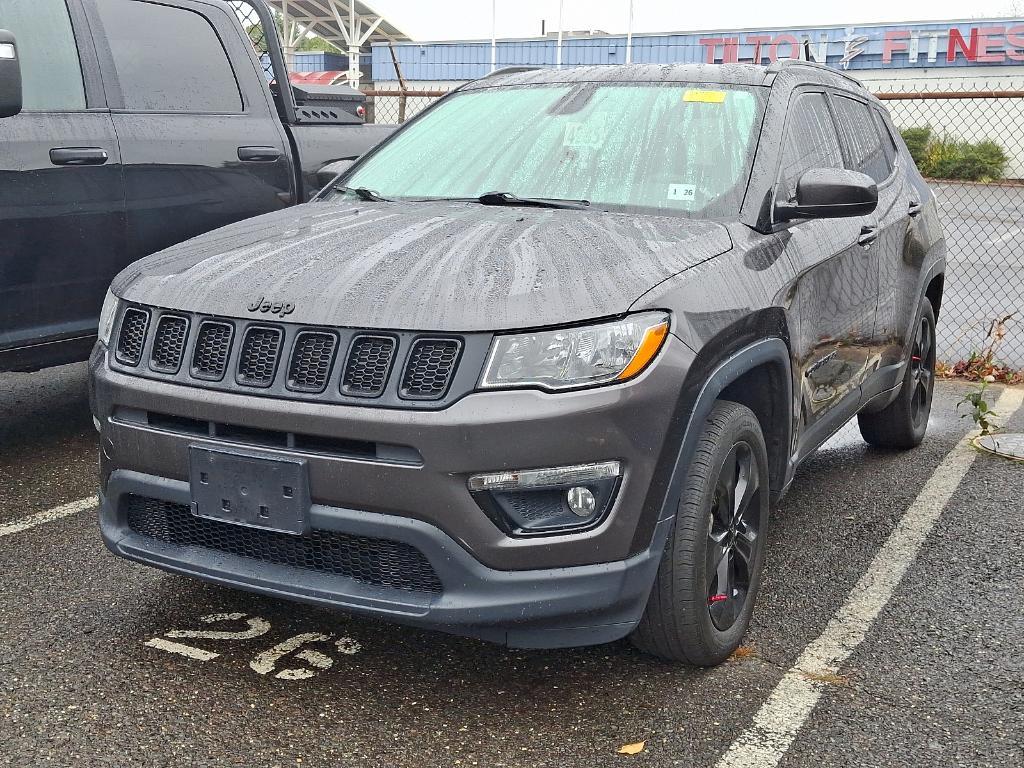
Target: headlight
567,358
107,316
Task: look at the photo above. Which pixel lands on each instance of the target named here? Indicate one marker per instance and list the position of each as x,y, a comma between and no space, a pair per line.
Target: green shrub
917,141
945,157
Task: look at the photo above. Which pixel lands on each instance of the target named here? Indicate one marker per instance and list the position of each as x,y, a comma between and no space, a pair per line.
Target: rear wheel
703,596
903,423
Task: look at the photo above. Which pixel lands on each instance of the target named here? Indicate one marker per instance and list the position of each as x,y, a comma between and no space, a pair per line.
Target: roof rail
780,64
501,71
513,69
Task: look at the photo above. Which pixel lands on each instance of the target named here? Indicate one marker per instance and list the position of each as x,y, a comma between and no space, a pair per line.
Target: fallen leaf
742,652
632,749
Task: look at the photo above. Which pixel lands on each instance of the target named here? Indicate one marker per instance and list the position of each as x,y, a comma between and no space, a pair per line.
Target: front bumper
562,589
540,608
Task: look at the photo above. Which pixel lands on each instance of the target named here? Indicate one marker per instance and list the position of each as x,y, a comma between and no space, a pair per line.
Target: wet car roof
726,74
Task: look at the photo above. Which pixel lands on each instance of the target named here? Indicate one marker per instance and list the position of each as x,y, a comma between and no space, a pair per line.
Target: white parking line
181,649
794,698
47,516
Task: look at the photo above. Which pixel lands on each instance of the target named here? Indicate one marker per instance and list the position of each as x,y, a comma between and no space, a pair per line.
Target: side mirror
10,76
830,193
331,171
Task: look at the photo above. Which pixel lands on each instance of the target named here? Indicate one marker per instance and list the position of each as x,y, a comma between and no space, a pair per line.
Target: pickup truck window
168,59
658,148
50,70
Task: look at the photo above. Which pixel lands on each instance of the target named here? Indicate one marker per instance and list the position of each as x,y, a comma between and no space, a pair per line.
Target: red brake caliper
717,599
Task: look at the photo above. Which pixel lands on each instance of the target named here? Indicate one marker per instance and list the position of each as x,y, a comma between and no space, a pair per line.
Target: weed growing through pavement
979,407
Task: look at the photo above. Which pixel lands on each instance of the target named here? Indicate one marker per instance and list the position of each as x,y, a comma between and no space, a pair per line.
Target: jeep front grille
429,370
387,369
380,562
213,346
168,344
132,339
257,362
311,361
368,366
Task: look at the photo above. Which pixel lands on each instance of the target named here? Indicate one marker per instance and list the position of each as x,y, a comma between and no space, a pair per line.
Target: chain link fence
968,139
250,21
395,106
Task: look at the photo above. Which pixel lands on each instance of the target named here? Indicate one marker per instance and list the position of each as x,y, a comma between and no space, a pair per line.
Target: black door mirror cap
830,193
10,75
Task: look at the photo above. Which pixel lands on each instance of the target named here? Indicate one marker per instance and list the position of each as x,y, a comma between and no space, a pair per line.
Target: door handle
915,208
259,154
78,156
868,235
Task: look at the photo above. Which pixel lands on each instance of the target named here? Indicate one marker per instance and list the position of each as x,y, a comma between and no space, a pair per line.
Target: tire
902,424
688,617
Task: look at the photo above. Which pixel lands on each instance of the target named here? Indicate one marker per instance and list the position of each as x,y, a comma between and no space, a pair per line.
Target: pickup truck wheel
703,595
904,421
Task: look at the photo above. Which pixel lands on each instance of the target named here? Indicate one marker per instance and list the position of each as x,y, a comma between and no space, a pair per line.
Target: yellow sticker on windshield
705,97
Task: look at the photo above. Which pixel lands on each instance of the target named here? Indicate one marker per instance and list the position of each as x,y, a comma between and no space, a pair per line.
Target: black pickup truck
128,126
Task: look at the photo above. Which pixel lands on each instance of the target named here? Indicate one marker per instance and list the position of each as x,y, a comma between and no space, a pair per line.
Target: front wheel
903,422
703,596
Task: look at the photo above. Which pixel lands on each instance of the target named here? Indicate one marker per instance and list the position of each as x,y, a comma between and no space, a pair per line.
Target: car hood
441,266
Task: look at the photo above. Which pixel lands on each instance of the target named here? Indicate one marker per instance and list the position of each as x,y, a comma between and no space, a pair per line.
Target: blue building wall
315,61
984,42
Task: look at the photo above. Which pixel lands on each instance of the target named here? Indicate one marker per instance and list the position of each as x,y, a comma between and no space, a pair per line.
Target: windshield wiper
507,198
362,193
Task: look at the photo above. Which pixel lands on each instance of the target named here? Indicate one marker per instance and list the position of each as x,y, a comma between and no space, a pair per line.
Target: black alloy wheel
922,370
734,537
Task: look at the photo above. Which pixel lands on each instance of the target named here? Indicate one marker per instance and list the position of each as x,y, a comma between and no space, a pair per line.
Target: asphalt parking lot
93,671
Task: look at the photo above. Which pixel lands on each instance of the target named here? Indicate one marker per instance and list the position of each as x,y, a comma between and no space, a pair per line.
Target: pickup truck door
200,140
62,232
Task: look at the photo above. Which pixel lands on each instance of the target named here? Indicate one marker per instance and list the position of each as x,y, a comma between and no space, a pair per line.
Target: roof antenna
807,49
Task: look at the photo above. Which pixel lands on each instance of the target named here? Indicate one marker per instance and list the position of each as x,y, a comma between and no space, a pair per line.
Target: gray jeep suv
536,368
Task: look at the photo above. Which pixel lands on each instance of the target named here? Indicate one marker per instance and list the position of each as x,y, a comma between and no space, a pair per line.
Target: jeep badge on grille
279,308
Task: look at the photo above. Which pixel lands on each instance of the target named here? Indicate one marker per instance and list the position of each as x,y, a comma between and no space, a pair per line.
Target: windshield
642,147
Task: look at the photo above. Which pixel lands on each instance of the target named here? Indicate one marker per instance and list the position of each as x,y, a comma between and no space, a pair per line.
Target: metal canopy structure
346,24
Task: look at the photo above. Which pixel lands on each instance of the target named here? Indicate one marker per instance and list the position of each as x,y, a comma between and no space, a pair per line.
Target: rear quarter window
889,146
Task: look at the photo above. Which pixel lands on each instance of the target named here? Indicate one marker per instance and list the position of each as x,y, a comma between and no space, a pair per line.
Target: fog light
531,502
581,501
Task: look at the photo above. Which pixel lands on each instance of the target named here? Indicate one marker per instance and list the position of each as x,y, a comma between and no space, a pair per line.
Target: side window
861,139
889,147
811,141
51,75
168,59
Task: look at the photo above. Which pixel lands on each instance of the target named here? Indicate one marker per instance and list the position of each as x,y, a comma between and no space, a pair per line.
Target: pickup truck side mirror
10,76
331,171
830,193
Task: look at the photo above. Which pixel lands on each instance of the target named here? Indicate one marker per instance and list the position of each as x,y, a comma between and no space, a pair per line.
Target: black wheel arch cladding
755,347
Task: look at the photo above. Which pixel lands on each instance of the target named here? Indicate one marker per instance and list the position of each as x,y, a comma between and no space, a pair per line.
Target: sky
471,19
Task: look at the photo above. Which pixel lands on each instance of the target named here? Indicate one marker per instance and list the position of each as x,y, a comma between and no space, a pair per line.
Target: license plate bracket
250,490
